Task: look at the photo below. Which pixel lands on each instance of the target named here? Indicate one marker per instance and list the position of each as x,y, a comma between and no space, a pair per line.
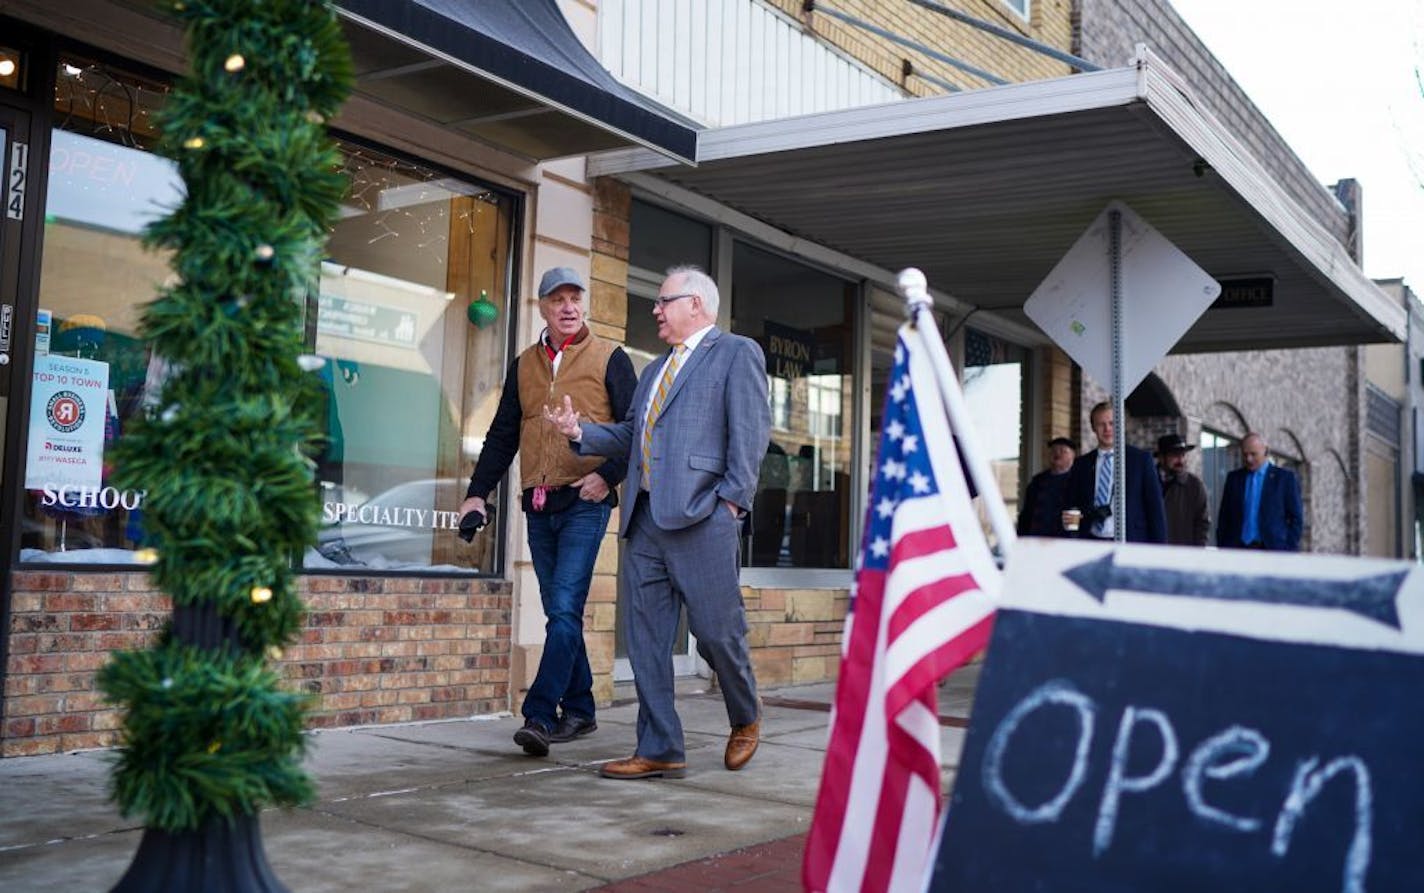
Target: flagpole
914,288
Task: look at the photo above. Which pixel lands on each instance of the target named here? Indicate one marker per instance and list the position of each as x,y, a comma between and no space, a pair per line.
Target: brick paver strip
953,722
773,867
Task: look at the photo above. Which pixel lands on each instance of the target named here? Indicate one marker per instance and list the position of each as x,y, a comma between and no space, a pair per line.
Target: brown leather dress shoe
741,744
642,767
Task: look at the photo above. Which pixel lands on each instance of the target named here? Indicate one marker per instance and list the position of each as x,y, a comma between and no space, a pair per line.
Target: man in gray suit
694,436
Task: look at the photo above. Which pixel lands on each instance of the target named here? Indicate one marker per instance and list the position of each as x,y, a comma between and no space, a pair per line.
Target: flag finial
913,287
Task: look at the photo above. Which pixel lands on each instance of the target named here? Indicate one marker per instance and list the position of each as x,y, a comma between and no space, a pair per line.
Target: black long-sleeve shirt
502,439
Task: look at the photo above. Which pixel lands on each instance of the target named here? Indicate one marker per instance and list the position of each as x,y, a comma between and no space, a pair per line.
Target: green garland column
210,737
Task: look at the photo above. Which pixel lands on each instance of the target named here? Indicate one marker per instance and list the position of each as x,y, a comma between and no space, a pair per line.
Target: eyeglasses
663,300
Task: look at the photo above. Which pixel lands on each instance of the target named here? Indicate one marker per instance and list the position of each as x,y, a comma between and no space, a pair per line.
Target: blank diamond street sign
1164,293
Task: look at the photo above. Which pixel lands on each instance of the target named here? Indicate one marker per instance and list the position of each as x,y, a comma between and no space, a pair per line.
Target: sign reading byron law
789,351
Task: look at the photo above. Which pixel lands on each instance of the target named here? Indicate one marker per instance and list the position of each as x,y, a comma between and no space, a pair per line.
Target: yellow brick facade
1049,22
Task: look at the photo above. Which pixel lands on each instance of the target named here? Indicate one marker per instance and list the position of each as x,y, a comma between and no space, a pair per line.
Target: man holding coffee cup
1088,506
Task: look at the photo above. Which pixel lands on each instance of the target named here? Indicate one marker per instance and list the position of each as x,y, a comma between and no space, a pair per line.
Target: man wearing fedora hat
1183,493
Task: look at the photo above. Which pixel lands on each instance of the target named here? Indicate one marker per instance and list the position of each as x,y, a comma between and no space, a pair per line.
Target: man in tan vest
566,498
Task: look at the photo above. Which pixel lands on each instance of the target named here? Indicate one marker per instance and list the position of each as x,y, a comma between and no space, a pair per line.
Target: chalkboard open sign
1160,719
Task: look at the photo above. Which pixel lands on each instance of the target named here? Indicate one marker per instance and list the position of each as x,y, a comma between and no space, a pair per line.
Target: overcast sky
1338,80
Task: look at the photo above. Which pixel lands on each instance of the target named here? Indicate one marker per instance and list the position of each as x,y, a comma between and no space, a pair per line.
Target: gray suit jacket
709,441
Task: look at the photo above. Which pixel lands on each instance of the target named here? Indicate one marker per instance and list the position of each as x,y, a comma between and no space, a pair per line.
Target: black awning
510,72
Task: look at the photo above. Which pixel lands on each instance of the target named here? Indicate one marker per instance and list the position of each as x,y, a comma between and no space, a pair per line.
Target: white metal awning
985,191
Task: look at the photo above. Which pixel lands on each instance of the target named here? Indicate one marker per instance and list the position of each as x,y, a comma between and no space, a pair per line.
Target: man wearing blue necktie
1090,488
1261,506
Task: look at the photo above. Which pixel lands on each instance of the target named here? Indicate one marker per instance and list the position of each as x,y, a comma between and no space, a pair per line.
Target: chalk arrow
1370,597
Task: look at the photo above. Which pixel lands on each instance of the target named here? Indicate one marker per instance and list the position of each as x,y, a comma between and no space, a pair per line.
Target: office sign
1256,291
1147,720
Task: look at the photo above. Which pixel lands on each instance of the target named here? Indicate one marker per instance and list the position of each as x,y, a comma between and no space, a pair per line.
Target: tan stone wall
1055,385
1050,22
374,650
795,634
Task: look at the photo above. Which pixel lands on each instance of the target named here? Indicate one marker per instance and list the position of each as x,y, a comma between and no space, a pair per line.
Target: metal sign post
1119,375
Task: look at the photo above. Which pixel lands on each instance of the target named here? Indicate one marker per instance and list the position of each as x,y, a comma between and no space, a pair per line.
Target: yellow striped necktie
655,409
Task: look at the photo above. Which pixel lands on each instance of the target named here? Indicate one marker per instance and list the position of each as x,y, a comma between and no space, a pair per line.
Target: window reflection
995,380
412,378
1220,454
802,319
91,373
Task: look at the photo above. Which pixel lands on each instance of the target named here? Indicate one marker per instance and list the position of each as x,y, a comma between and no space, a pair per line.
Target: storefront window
995,379
1220,454
412,371
802,318
90,368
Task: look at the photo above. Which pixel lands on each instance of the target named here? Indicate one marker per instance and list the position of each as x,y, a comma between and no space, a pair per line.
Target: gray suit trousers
695,566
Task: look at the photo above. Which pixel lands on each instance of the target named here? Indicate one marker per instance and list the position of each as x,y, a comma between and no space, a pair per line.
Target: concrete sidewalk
457,806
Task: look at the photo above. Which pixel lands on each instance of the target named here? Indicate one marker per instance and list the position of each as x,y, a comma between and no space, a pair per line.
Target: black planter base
221,857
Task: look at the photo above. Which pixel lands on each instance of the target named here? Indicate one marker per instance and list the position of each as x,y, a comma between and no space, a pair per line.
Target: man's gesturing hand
565,419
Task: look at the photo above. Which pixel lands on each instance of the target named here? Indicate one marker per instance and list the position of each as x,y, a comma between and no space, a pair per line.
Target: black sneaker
533,738
571,727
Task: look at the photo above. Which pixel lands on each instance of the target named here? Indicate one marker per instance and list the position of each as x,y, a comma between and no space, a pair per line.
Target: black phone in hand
473,522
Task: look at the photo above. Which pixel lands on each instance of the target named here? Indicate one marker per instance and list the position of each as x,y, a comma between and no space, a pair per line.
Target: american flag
923,604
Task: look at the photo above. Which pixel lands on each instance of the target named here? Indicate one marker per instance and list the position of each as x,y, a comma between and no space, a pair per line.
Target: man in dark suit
1042,504
1260,504
694,436
1089,501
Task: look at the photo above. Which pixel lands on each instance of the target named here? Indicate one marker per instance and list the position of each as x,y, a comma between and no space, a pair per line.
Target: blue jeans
564,546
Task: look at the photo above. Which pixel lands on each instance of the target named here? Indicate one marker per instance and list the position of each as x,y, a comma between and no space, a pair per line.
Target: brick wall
374,650
1049,22
1112,28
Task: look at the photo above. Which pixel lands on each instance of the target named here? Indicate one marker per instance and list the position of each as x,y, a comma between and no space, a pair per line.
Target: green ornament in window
481,311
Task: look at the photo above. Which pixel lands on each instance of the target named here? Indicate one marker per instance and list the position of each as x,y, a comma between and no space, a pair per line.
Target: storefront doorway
17,197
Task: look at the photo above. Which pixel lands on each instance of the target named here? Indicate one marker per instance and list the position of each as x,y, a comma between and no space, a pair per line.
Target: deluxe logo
63,447
65,412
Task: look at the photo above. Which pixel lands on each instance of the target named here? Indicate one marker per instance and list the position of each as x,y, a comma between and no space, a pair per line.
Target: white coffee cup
1071,519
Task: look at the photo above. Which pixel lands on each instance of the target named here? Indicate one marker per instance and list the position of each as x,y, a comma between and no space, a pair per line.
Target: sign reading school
1142,724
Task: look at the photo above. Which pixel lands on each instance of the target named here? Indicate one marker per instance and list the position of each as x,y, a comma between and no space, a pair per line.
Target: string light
7,67
261,594
234,63
194,142
310,362
274,652
146,556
